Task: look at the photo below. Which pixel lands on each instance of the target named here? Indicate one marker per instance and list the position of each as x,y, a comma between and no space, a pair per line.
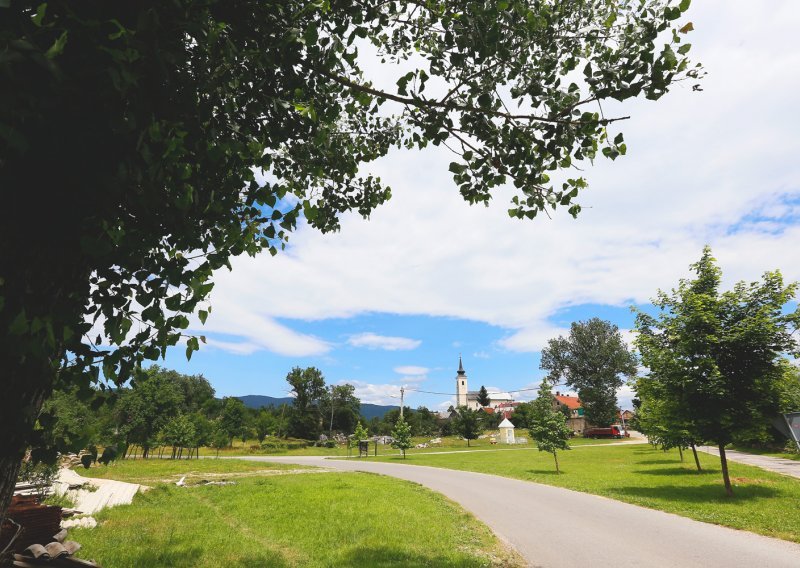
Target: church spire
461,370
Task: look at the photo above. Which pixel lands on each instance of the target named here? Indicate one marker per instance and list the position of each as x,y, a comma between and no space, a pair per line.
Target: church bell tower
461,385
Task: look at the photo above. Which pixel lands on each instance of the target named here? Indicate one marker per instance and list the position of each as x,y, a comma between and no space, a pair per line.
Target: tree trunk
696,459
680,451
555,457
16,425
724,461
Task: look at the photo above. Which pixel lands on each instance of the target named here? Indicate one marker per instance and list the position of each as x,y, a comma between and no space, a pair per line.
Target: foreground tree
716,357
153,119
593,360
548,425
402,436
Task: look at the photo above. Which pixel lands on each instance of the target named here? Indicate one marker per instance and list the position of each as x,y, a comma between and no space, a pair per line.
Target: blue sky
395,299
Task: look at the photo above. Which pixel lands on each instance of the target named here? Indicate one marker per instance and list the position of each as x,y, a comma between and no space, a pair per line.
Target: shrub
86,460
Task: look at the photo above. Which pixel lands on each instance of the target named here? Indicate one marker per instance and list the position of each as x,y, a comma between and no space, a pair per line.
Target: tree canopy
593,359
152,142
716,358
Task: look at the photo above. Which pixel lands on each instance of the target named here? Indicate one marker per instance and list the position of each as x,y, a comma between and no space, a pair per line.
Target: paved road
778,465
557,528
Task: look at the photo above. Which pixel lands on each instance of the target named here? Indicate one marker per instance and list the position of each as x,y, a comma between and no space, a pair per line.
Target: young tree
158,116
179,433
483,397
467,423
662,423
402,436
264,425
715,357
232,419
592,360
548,425
359,434
219,438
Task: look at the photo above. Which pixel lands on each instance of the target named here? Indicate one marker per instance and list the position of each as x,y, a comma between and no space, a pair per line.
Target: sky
394,300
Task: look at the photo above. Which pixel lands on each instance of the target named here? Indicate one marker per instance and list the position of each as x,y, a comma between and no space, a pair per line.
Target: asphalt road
558,528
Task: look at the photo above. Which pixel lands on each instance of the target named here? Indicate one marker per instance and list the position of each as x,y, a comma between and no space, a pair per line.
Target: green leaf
684,5
684,49
39,15
57,47
202,315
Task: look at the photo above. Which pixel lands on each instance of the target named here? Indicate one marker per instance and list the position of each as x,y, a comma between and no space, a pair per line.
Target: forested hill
368,411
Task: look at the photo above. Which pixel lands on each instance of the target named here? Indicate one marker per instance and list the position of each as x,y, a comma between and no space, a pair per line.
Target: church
468,398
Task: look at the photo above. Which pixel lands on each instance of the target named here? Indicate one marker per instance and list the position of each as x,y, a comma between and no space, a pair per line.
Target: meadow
273,517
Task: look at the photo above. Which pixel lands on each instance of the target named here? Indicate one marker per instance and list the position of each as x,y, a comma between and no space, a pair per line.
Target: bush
109,455
40,475
86,460
279,445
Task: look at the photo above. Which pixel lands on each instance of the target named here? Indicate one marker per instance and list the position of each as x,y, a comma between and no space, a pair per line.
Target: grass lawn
449,443
310,519
154,471
764,502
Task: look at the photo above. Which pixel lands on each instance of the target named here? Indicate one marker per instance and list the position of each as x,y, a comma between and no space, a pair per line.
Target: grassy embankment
449,443
307,519
764,502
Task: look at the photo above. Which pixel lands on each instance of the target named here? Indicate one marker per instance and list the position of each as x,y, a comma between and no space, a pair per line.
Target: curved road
558,528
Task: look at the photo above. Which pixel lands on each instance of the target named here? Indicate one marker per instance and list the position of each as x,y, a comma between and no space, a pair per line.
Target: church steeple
461,384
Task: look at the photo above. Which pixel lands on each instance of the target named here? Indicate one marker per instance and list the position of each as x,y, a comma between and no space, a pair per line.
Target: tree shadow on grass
706,493
658,462
546,472
189,557
380,556
676,471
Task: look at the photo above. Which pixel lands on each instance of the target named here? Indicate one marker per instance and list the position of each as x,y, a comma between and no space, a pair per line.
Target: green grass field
764,502
155,471
308,519
449,443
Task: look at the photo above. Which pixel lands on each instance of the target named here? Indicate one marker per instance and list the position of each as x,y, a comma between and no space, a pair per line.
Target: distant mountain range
368,411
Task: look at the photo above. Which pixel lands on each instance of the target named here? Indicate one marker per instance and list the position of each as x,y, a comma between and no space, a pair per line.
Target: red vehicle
613,431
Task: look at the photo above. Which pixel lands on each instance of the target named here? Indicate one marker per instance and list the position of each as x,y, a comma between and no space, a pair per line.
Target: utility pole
402,392
330,430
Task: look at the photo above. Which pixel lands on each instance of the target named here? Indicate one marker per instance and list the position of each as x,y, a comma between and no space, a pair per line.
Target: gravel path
558,528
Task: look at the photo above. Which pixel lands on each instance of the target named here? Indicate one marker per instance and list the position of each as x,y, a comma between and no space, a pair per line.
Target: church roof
461,370
506,423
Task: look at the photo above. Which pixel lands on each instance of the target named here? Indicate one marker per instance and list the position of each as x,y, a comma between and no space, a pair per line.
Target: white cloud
388,343
481,355
411,370
711,167
387,394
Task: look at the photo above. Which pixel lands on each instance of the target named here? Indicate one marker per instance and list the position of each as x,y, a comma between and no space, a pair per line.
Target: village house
576,421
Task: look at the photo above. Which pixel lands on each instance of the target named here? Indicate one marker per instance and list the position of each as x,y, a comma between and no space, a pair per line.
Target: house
576,420
468,398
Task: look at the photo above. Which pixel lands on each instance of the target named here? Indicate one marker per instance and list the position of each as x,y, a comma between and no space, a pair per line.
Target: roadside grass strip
336,519
763,502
